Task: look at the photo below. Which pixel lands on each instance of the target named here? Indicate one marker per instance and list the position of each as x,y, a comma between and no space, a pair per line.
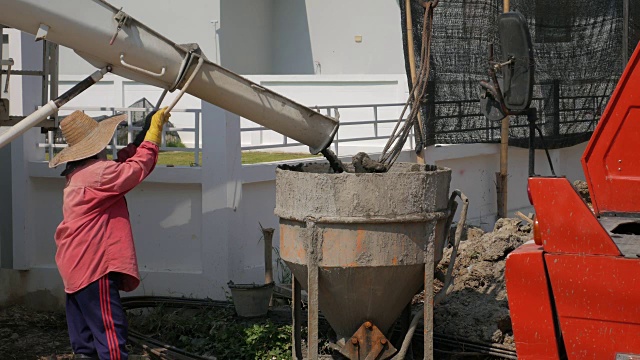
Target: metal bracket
42,33
186,63
122,19
368,343
141,70
186,85
8,63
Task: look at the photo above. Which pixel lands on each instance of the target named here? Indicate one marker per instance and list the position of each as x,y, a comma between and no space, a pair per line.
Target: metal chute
106,36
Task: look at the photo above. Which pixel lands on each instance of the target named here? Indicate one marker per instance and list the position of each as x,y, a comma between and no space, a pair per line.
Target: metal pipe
28,122
81,86
164,93
50,108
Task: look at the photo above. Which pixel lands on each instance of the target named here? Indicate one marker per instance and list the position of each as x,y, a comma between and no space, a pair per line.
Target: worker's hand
143,133
154,134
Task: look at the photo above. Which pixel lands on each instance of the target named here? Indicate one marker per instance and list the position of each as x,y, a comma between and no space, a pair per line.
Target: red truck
574,291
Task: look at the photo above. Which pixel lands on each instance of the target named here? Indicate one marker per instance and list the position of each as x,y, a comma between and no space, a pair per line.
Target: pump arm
105,36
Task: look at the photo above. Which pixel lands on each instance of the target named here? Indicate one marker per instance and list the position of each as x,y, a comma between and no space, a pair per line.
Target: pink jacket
95,237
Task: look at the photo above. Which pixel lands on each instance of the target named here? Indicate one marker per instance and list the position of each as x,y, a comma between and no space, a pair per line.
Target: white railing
378,121
50,145
374,119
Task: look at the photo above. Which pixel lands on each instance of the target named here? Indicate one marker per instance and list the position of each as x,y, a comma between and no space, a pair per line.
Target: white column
221,191
25,97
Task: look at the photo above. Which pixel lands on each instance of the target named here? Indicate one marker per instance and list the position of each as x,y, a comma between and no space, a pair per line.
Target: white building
198,227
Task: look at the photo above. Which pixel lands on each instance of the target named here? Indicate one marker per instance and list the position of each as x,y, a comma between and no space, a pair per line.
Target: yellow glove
155,130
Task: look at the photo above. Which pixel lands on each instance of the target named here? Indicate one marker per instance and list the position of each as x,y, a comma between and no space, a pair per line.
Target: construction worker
96,256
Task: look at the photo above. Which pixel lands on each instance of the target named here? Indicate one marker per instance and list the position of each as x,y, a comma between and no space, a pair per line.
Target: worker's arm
120,177
130,150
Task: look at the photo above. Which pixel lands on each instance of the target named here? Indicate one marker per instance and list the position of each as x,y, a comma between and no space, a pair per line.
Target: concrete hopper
360,243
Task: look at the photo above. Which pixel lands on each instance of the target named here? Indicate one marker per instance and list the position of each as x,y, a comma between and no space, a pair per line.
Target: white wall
291,45
275,36
246,36
183,22
334,24
474,167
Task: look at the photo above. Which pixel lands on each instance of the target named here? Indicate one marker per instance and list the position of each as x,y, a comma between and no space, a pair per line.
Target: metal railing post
50,138
129,127
375,119
197,139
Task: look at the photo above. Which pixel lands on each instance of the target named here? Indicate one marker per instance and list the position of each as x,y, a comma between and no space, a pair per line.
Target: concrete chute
106,36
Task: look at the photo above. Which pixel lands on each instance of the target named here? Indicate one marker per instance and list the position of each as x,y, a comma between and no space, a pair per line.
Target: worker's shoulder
90,174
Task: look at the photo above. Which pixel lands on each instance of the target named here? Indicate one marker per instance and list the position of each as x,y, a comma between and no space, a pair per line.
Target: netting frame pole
501,177
625,33
412,68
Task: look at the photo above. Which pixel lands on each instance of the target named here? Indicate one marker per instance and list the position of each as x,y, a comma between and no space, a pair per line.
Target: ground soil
583,190
35,335
26,334
477,308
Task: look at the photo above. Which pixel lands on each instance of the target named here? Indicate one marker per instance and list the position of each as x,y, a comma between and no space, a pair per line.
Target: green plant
176,142
284,274
268,341
216,331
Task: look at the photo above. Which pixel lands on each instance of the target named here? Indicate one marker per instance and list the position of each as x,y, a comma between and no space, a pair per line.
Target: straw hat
85,136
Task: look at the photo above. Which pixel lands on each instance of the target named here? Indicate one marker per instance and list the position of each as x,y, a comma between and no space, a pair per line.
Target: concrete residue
311,190
364,164
360,163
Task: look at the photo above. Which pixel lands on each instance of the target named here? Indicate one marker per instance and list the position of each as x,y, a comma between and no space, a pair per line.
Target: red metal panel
597,300
566,223
530,304
611,162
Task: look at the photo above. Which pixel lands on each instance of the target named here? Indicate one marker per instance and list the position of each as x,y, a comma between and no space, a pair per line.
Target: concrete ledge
441,152
161,174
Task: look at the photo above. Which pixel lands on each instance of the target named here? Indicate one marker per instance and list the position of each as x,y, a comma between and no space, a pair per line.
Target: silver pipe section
50,108
89,26
28,123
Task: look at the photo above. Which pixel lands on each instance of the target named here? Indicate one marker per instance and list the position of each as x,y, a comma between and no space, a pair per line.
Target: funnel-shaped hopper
369,234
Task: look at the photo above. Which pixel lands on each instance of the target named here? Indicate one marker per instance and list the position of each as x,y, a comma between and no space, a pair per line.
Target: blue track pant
96,320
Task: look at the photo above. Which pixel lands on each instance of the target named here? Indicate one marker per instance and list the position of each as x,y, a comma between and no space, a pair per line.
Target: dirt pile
477,308
583,189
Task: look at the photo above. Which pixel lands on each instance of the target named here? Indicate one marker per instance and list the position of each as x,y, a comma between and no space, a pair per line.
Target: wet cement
361,163
336,165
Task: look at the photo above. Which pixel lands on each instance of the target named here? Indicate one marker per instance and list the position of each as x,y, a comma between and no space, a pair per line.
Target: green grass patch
180,158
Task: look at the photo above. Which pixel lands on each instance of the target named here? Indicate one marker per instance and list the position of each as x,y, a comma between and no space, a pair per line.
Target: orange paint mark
359,241
394,261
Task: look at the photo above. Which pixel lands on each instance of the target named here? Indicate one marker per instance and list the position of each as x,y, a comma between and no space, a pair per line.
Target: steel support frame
427,330
313,311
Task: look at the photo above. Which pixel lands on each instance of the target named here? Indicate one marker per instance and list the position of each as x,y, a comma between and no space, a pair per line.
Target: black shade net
578,54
